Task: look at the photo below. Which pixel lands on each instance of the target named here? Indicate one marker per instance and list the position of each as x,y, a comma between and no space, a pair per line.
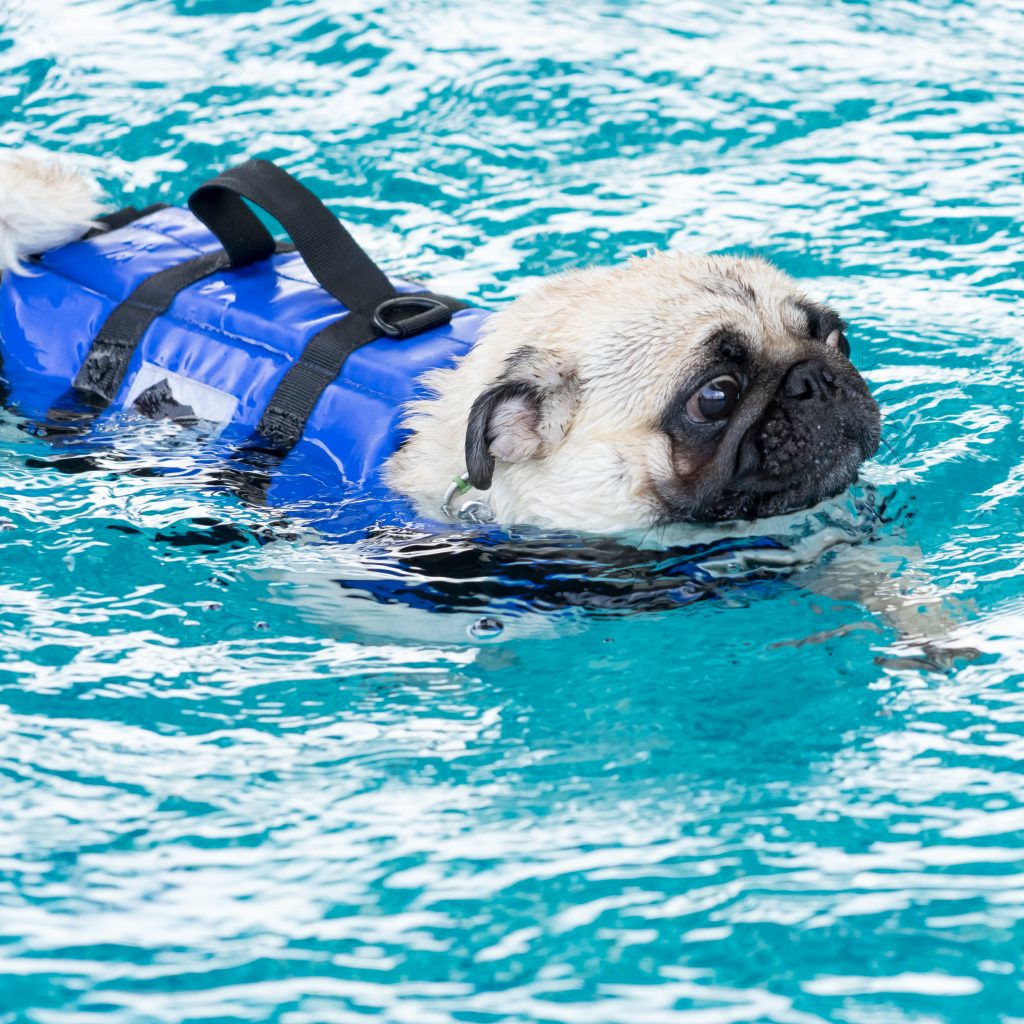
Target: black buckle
433,313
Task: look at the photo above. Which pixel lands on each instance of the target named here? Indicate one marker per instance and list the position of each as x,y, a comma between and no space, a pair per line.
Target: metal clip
472,511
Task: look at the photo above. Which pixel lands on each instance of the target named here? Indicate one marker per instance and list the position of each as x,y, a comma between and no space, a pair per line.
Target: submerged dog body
672,389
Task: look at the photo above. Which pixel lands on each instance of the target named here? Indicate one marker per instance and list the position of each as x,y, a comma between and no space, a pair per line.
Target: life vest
298,359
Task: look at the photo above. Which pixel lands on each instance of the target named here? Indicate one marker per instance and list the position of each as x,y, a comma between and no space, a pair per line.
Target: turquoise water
232,790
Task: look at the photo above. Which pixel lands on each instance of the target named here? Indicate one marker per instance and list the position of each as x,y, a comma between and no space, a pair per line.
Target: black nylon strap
284,420
102,372
332,255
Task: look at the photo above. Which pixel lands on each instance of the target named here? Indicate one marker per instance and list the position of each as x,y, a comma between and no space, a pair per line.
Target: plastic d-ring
431,313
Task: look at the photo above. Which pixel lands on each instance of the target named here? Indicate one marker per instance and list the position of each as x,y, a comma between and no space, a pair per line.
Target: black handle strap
333,256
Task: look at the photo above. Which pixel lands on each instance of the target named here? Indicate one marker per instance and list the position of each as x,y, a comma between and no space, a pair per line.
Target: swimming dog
673,389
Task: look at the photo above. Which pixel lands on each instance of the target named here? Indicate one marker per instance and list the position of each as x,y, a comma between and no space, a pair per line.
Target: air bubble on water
486,628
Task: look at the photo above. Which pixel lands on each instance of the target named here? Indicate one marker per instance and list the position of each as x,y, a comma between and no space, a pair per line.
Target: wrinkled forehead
777,326
719,322
713,326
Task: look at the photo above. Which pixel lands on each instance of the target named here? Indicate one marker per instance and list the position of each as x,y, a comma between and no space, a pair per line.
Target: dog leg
890,582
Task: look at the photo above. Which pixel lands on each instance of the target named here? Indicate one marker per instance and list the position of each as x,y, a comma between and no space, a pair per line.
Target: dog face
767,429
672,389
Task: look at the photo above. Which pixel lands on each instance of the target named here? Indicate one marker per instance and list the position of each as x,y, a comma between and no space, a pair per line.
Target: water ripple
234,787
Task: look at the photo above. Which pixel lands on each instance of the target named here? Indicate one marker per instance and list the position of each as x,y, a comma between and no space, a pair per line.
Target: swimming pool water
232,790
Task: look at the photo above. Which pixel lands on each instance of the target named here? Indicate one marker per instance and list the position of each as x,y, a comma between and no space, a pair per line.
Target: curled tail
42,205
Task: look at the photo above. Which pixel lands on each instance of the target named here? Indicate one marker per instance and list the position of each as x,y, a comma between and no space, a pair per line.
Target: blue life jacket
302,360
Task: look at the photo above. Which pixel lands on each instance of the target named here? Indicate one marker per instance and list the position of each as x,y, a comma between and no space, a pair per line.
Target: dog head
675,388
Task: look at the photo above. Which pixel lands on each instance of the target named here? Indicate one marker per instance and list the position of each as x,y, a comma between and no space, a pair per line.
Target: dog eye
715,401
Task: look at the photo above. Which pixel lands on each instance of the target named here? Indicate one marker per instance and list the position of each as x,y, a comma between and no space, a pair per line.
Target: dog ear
516,418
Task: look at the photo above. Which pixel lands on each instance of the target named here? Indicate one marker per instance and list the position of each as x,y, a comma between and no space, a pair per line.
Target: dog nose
809,379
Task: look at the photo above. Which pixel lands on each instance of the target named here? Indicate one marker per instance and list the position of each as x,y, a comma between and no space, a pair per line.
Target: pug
674,389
